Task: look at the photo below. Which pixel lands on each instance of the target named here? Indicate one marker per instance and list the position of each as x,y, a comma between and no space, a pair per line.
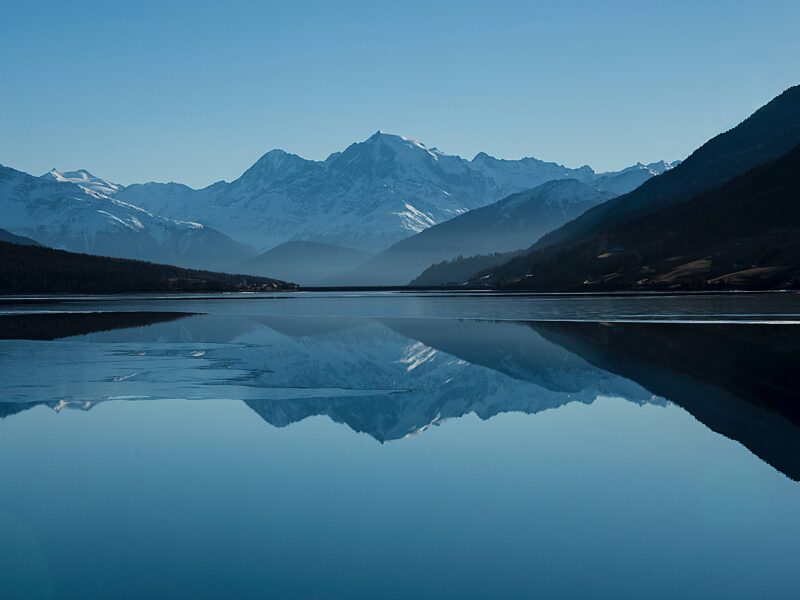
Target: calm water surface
400,446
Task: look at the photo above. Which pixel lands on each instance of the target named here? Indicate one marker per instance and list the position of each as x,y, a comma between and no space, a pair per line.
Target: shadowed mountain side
744,235
38,270
7,236
305,263
513,223
53,326
741,381
461,270
769,133
696,225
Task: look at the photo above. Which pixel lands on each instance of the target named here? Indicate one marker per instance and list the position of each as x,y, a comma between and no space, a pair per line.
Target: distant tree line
39,270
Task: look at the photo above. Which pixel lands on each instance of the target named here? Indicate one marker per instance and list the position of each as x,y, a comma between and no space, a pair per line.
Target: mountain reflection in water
395,377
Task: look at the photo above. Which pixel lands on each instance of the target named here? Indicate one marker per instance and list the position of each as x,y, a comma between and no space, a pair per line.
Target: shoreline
6,299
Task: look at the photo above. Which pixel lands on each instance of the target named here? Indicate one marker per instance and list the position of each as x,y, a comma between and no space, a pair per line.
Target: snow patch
415,220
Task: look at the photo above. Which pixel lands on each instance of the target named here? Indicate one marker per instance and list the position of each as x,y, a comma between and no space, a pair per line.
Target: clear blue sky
197,91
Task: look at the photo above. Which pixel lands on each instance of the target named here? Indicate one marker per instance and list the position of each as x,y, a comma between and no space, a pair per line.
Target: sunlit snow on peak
415,220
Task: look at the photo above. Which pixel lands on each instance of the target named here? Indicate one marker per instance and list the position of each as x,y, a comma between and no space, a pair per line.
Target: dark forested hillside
460,270
54,326
743,235
721,219
38,270
769,133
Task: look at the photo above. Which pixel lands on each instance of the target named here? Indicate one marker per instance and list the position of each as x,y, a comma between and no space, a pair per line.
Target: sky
196,91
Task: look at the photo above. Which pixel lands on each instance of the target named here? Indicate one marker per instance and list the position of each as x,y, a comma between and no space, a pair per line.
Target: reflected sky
245,451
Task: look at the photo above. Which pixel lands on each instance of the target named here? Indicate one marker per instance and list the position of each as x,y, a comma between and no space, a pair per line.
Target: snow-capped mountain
86,180
369,196
163,198
622,182
58,212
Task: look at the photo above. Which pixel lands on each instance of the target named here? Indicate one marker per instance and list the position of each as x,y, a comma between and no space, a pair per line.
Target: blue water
400,446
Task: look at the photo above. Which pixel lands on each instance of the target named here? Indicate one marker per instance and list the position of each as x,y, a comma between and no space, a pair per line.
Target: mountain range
72,213
391,210
367,197
361,200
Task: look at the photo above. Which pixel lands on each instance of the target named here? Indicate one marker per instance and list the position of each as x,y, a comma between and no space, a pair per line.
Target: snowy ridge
86,180
78,217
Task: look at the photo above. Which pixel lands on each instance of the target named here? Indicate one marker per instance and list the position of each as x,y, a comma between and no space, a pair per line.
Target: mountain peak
394,139
80,174
654,168
384,153
85,179
275,164
274,155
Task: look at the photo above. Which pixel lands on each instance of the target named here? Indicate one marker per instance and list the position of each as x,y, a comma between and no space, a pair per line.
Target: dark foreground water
400,446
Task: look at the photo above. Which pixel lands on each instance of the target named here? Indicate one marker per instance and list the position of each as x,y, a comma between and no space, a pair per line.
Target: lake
400,445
